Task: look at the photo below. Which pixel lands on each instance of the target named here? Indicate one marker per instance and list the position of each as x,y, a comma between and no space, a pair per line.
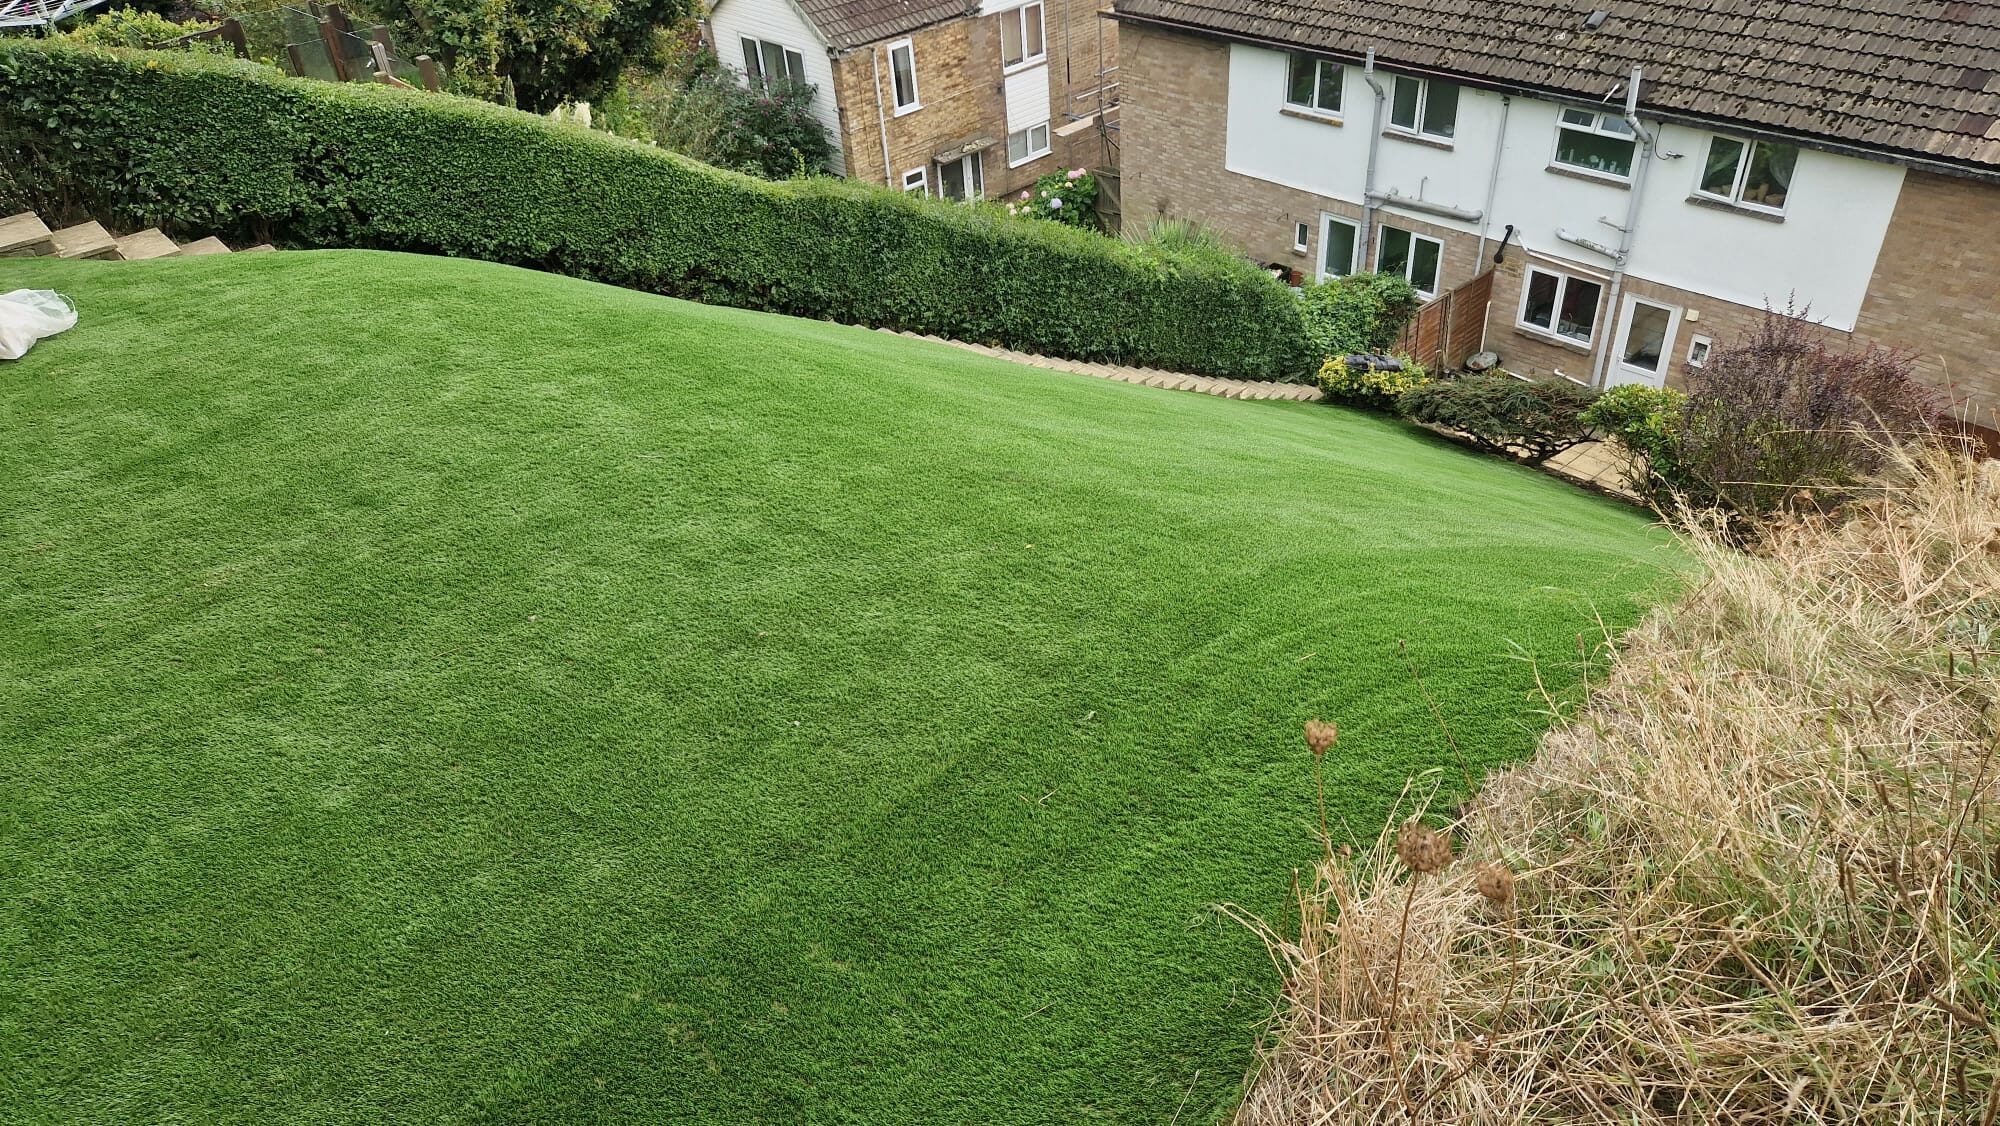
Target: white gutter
882,123
1493,178
1368,179
1601,363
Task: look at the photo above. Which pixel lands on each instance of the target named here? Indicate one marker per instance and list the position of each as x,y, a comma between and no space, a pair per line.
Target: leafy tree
550,51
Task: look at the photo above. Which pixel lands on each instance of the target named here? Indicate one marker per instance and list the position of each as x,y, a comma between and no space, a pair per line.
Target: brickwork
959,90
1936,289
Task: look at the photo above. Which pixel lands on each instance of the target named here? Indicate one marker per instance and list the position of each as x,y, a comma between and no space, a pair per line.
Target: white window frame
1311,105
1699,347
1327,220
1596,128
917,180
966,164
1411,265
755,76
1554,331
1301,236
895,92
1423,111
1020,17
1743,162
1034,153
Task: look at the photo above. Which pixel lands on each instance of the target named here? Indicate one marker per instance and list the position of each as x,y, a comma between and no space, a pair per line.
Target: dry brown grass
1755,880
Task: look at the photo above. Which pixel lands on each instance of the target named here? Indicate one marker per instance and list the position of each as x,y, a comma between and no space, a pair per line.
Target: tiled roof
1915,77
854,23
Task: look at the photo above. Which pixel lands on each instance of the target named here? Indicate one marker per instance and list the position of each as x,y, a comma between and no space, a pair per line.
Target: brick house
954,98
1639,178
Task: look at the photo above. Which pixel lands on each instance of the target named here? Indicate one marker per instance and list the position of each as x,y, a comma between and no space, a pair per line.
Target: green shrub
1068,196
215,146
1369,385
1175,234
1530,420
135,27
1641,423
1361,314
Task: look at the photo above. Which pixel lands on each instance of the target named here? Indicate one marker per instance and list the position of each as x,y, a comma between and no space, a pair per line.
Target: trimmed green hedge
217,146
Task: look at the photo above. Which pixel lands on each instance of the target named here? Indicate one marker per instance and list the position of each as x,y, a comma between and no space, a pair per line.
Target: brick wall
959,90
1936,289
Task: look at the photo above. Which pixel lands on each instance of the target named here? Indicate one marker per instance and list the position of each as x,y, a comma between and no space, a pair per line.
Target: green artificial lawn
438,691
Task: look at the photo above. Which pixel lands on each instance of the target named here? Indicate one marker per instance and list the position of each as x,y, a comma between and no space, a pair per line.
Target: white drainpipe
1368,181
1493,179
1601,363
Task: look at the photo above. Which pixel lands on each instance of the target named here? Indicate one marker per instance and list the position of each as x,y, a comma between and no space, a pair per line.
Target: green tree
550,51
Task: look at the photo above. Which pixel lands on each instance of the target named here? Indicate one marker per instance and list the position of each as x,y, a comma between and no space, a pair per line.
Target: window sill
1024,64
1308,115
1604,178
1425,140
908,109
1030,158
1736,209
1547,337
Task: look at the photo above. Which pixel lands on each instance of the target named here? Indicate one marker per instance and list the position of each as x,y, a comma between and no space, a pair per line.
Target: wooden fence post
232,34
297,60
429,71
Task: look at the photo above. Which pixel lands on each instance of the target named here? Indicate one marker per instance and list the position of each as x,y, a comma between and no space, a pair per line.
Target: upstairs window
1424,107
1021,36
903,75
1560,304
1600,143
766,63
1313,85
1755,174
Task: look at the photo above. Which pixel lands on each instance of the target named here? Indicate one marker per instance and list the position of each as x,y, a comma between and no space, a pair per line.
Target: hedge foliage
217,146
1533,420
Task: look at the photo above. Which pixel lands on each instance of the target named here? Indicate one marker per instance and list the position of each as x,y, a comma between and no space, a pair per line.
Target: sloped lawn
436,691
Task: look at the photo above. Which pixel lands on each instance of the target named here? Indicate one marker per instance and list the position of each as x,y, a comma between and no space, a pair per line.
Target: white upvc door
1646,332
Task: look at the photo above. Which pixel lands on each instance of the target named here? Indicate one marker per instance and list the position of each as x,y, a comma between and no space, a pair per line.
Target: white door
1645,341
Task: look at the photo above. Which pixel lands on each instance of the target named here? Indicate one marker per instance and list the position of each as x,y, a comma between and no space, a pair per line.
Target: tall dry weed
1755,880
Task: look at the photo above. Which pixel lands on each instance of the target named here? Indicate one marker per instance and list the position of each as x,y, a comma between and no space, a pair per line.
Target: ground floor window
1560,304
1416,257
1338,238
962,178
914,182
1027,144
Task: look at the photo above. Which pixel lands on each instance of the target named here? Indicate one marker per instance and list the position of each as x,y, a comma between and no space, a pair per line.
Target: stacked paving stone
1146,377
26,236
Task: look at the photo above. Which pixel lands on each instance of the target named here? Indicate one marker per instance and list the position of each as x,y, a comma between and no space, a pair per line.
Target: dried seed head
1422,848
1320,736
1496,883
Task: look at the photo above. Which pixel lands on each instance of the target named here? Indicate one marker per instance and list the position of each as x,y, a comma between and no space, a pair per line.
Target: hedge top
213,145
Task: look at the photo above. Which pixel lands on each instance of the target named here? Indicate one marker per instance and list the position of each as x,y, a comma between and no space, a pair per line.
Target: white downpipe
1368,179
1493,179
882,121
1600,367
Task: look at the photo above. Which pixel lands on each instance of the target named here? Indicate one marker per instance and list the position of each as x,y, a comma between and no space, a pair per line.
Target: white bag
27,315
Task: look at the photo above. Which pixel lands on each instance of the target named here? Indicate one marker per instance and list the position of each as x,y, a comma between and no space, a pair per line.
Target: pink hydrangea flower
1074,174
1024,193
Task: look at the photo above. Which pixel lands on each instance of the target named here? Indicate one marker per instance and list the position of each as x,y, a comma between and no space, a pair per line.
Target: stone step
209,245
25,236
85,240
149,243
260,248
